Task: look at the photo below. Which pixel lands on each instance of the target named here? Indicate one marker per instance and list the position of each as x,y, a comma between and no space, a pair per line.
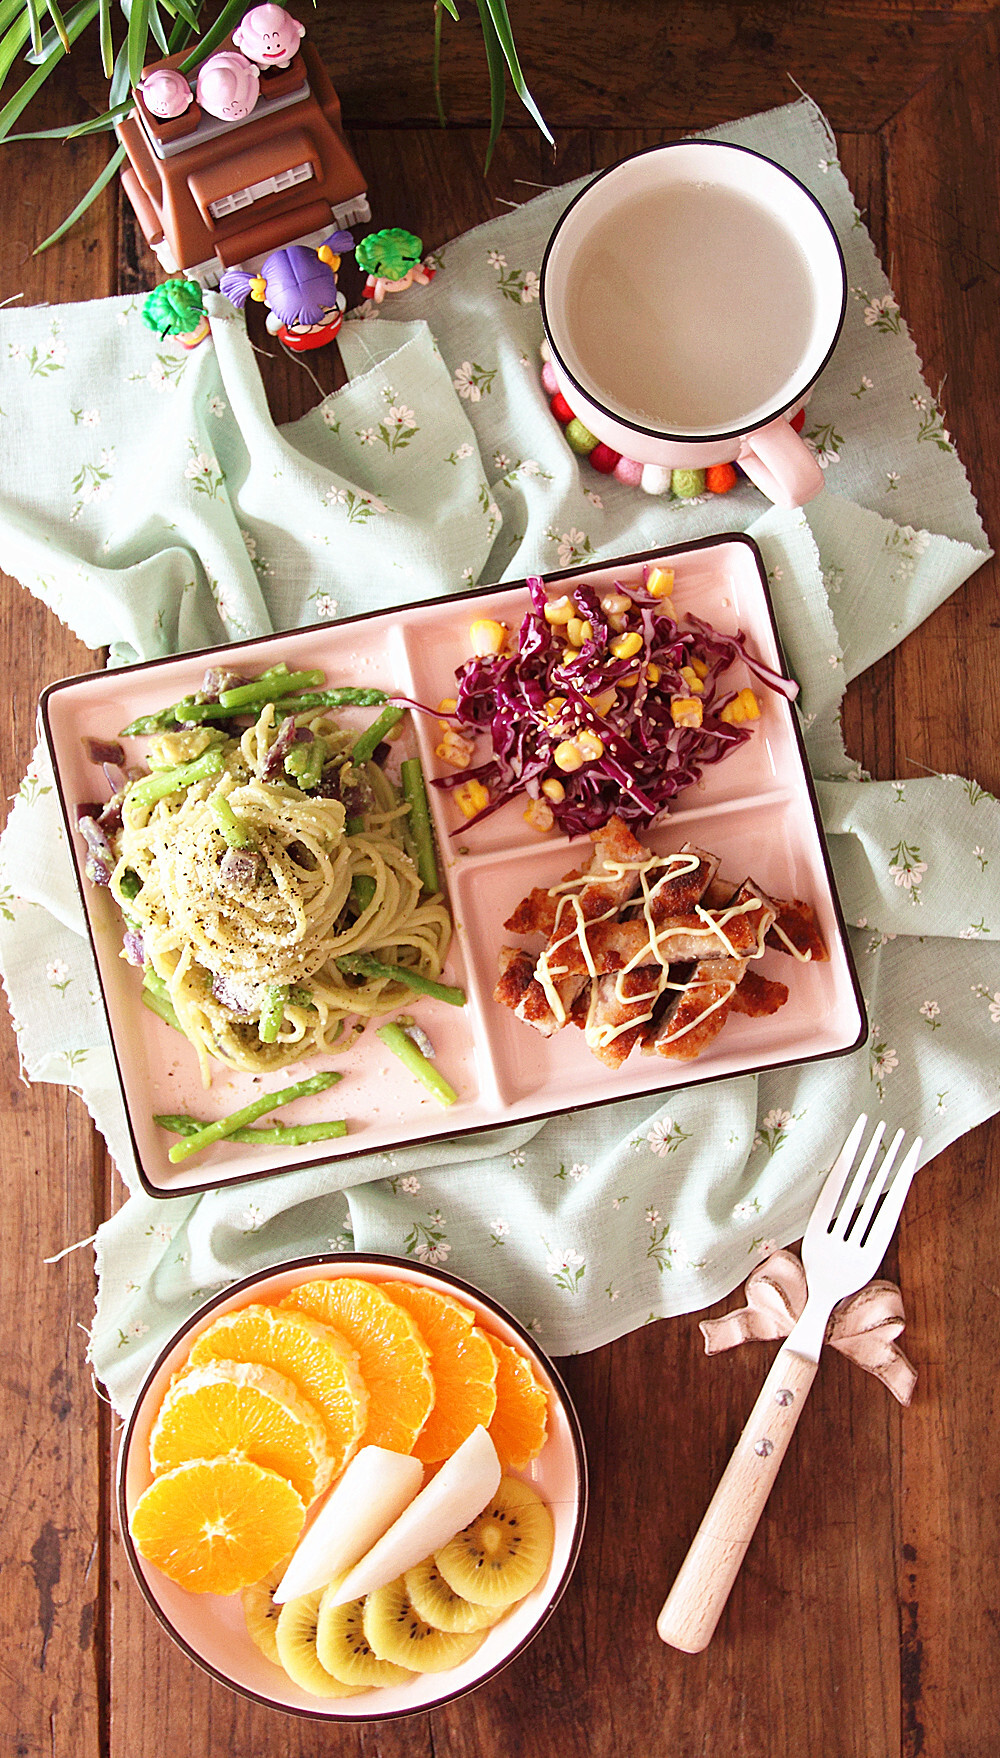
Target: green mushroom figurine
177,308
391,259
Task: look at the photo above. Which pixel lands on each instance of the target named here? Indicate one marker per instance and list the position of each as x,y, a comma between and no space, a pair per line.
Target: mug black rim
660,433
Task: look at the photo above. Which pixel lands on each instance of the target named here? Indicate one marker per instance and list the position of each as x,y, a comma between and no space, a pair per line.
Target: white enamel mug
751,426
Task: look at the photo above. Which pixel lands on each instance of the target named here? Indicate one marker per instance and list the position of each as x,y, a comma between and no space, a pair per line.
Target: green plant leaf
436,63
498,78
79,19
93,192
35,23
74,130
12,43
185,10
501,23
156,26
138,38
450,7
107,46
56,16
230,14
52,39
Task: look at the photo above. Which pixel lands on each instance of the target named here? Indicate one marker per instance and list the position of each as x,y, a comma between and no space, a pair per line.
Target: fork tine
878,1189
836,1178
881,1229
845,1210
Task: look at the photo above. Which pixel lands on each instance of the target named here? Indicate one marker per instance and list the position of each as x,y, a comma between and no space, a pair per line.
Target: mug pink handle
781,465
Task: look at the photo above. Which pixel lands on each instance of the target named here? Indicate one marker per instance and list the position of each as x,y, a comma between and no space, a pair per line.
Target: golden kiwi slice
295,1634
440,1606
344,1650
504,1552
261,1613
395,1631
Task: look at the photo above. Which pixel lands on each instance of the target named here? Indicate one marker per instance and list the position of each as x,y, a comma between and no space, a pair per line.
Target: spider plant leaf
9,11
230,14
56,16
35,24
186,10
157,29
436,63
93,192
12,42
53,38
497,64
75,130
138,38
450,7
107,46
78,21
501,24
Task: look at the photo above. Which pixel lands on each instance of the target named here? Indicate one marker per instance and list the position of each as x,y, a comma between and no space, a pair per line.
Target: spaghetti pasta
245,886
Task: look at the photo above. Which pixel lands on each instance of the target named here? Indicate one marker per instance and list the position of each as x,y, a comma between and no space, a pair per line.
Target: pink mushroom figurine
269,35
165,93
228,86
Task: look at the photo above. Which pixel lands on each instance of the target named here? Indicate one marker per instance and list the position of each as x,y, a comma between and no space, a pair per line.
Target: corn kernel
447,705
743,707
455,750
614,604
579,631
559,610
591,746
629,681
568,756
553,789
685,711
627,646
652,673
569,654
471,798
539,815
554,706
603,703
660,582
692,680
700,667
487,637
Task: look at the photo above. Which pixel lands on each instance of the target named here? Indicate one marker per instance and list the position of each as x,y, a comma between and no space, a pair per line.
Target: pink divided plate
756,810
211,1628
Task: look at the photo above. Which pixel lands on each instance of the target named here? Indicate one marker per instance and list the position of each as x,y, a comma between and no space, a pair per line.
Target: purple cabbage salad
536,694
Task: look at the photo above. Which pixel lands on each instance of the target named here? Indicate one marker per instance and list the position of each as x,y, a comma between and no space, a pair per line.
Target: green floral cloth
147,497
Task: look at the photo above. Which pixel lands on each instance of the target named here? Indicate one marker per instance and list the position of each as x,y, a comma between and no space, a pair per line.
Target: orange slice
320,1363
462,1363
241,1407
216,1525
521,1416
392,1354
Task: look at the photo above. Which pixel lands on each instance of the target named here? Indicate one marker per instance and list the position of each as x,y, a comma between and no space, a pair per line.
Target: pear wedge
372,1493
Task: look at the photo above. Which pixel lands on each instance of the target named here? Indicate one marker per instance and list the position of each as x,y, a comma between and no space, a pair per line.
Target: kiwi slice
295,1635
343,1648
395,1631
441,1607
261,1613
502,1554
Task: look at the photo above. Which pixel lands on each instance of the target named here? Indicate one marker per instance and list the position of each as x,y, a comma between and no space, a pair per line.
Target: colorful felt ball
628,471
720,478
561,409
549,382
579,438
604,459
686,484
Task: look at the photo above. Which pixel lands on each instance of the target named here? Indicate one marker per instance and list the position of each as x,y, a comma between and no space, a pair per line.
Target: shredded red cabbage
646,759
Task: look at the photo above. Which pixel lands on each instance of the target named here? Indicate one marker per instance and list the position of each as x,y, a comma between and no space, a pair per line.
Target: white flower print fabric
147,498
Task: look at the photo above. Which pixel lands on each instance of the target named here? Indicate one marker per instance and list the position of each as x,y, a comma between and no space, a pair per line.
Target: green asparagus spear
340,698
305,762
233,829
358,964
272,1014
412,777
362,891
373,735
156,996
396,1040
279,1135
130,884
263,689
170,781
248,1114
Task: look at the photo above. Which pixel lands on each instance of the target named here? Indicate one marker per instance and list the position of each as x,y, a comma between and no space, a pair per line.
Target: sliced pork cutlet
519,990
682,939
599,893
681,886
794,931
700,1012
758,996
619,1007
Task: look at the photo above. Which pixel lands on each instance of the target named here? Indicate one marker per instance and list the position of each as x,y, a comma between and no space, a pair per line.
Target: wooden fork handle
696,1600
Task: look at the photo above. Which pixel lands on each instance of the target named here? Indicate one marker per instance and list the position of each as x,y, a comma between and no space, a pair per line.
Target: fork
846,1239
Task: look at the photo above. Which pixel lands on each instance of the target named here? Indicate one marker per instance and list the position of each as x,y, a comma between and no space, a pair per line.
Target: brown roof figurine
256,161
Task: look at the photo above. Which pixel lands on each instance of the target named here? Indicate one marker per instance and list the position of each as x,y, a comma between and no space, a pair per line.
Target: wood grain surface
866,1620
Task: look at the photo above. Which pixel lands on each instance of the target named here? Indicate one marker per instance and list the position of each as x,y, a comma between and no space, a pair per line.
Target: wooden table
866,1622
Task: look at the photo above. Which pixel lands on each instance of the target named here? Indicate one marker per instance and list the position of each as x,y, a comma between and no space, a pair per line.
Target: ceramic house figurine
255,160
299,286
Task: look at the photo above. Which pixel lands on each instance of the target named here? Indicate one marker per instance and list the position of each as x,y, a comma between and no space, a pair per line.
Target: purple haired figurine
299,287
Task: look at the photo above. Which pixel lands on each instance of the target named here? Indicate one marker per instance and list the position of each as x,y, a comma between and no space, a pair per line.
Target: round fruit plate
259,1407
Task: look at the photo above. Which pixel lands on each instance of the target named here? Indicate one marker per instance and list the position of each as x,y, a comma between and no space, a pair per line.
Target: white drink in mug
691,295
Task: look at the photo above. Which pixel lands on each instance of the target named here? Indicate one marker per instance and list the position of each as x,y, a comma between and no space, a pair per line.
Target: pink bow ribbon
863,1327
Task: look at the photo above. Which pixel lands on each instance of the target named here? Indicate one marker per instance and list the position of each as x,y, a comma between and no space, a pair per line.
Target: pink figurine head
165,93
228,86
269,35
